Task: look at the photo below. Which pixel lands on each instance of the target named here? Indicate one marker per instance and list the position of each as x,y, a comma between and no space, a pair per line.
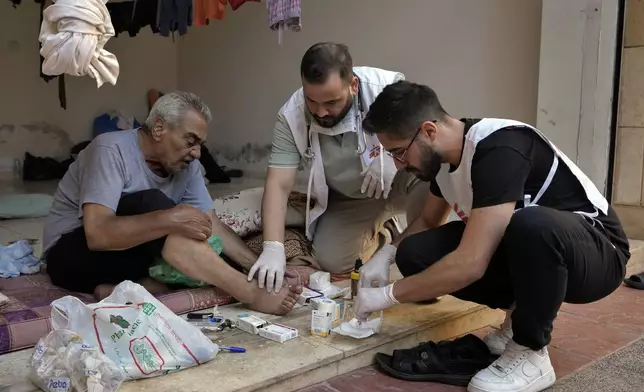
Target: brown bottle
355,278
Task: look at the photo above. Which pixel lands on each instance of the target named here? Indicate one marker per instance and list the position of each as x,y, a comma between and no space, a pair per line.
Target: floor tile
622,309
588,338
321,387
369,379
566,362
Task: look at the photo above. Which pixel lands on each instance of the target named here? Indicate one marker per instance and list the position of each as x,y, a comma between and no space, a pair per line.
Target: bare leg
197,260
234,246
102,291
153,286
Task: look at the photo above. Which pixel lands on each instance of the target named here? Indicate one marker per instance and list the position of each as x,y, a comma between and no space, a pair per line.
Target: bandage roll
327,306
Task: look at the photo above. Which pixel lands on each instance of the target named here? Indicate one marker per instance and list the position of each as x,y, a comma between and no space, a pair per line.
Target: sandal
635,281
447,362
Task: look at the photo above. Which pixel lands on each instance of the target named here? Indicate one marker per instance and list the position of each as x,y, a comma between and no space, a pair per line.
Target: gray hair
172,106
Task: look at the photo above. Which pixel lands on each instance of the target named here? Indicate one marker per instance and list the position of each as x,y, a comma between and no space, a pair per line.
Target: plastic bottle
355,278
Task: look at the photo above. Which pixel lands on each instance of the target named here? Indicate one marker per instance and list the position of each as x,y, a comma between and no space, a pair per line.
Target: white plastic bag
63,362
136,331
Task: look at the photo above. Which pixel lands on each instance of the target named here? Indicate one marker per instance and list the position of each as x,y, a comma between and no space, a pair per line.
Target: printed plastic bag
165,273
63,362
136,331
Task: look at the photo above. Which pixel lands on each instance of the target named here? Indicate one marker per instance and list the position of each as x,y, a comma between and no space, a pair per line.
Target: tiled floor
582,334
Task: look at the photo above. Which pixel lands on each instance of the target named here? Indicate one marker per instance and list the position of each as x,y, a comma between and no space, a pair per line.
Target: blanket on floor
26,316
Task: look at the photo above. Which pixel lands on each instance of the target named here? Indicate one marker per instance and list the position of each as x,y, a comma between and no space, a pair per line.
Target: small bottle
355,278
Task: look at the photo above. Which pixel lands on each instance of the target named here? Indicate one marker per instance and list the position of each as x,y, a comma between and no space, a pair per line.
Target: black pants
73,266
545,258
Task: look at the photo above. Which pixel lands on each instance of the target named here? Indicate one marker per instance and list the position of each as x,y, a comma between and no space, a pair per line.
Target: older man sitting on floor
134,196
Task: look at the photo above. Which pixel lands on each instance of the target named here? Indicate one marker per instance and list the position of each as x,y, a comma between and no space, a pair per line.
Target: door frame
580,58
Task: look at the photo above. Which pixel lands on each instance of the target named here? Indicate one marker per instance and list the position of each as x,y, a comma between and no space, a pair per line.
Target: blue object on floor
114,121
16,206
18,258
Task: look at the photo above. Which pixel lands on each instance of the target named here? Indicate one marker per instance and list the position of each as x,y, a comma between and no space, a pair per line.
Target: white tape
326,306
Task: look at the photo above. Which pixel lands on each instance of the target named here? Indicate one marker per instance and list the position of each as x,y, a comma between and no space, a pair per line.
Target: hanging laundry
205,10
284,14
62,94
174,15
73,34
234,4
132,16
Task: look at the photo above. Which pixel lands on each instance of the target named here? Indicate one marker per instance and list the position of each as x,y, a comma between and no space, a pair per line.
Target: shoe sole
545,381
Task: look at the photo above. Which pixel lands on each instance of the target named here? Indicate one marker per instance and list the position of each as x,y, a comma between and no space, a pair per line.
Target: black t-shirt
513,162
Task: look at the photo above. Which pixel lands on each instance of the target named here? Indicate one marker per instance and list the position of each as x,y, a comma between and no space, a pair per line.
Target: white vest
372,82
456,186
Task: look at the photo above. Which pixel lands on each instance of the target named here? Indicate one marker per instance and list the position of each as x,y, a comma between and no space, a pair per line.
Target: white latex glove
377,268
371,300
270,266
372,184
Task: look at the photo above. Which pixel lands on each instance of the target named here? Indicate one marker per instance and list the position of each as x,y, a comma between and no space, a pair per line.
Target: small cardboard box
306,296
321,323
278,332
249,323
319,280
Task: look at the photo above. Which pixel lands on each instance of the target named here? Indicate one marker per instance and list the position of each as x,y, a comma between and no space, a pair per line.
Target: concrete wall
30,115
628,186
482,57
576,78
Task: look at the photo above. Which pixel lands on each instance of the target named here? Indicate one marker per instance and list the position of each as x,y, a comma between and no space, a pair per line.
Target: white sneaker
497,340
519,369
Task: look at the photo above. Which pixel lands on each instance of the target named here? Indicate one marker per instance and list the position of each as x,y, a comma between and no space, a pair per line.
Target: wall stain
247,153
7,127
21,138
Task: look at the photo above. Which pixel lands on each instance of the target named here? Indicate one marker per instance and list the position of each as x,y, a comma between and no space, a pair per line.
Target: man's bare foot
275,303
103,291
153,286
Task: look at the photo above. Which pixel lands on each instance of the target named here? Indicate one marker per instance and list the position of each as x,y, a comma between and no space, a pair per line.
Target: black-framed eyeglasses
400,154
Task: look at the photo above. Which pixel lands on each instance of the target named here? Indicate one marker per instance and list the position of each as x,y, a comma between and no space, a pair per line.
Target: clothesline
73,33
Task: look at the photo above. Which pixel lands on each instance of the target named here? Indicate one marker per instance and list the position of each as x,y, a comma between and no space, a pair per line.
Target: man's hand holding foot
270,266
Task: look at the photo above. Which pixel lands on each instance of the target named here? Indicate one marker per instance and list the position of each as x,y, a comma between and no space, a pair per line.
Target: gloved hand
377,268
270,266
371,300
371,185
